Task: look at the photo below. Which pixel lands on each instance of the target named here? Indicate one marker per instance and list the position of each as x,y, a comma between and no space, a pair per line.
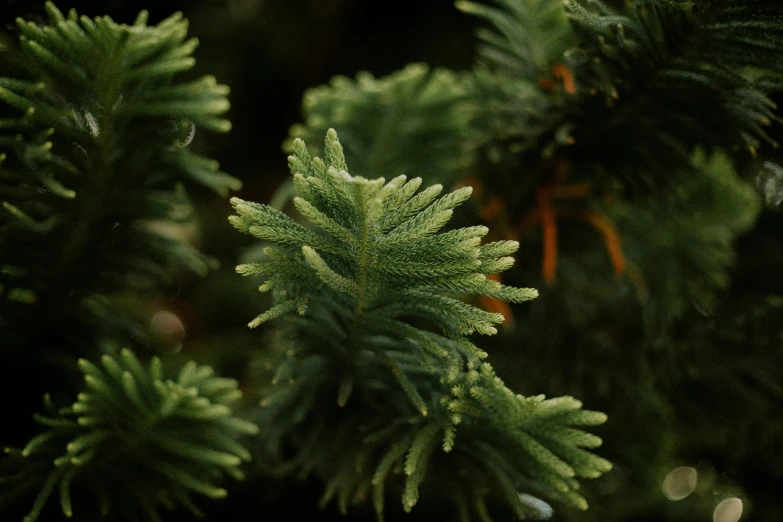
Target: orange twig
549,227
561,72
611,238
548,84
609,234
547,214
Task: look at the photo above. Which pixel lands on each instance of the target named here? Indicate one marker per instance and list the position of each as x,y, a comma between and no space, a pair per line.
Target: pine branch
94,147
666,77
381,236
529,36
135,440
95,152
638,92
413,121
362,359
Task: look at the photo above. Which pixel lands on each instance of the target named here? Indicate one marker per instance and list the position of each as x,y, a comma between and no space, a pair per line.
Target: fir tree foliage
376,386
529,36
625,94
95,157
414,121
641,96
379,242
93,138
519,84
693,267
672,266
642,116
663,77
136,440
374,343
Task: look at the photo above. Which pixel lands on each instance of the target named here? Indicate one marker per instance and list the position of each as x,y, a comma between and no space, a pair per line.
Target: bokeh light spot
729,510
168,330
680,482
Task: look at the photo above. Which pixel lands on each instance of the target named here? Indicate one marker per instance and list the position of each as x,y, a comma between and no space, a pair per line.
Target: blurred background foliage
655,371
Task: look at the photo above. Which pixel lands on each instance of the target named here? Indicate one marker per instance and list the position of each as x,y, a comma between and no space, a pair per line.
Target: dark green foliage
648,113
519,101
413,122
615,143
528,38
660,78
626,95
678,274
360,359
138,441
94,160
95,148
672,266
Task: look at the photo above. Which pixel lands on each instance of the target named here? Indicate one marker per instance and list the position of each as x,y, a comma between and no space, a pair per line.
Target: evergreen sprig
135,439
370,276
625,94
93,143
661,78
528,37
414,121
94,160
378,247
